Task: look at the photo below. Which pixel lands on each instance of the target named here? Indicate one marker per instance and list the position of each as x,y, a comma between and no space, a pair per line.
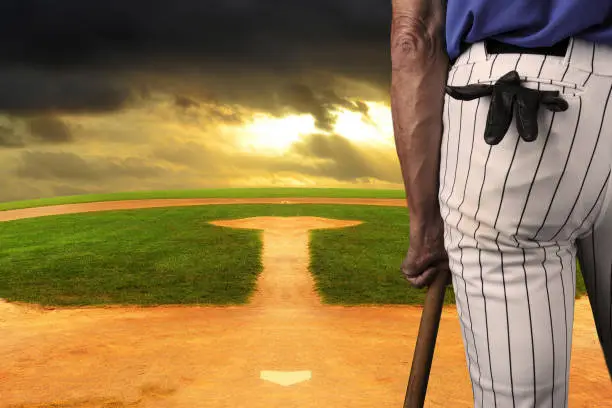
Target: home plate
286,378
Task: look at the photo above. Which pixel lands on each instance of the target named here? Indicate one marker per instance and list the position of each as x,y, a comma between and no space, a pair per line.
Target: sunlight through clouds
268,134
381,116
275,135
159,145
376,128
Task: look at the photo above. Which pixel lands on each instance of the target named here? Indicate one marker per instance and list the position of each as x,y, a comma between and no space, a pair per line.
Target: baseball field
227,298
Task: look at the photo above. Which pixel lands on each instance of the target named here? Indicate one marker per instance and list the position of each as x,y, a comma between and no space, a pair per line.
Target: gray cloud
318,95
185,102
9,138
189,154
50,130
317,155
69,166
303,98
223,114
343,160
179,164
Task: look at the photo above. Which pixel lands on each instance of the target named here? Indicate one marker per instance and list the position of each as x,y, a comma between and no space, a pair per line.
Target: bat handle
426,342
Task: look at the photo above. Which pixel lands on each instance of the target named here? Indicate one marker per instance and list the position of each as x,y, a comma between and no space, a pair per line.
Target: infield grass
172,256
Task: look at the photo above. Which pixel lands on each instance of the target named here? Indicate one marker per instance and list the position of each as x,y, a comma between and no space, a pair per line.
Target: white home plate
286,378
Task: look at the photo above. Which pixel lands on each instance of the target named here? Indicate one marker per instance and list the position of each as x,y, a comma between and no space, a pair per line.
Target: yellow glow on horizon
276,135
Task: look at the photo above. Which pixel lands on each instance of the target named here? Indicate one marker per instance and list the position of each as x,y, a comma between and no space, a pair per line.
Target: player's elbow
414,41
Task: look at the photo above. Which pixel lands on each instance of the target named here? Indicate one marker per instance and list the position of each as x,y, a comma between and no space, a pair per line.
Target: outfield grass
210,193
172,256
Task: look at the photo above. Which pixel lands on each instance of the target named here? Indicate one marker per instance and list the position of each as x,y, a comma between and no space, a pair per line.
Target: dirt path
195,357
285,283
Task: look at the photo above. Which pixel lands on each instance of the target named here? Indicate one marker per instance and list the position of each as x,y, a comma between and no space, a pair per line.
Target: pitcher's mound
286,223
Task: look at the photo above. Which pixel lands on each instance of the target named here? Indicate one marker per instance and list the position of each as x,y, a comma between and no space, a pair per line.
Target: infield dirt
195,357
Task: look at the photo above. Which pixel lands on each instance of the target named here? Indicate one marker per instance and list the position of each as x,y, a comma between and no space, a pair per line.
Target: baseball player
503,126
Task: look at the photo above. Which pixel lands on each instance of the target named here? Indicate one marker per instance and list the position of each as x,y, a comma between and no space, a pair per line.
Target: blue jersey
526,23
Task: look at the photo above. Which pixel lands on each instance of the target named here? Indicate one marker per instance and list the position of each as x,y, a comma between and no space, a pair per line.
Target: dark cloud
69,166
188,154
185,102
9,138
320,104
224,114
28,90
303,99
79,55
341,159
50,130
331,98
272,33
206,114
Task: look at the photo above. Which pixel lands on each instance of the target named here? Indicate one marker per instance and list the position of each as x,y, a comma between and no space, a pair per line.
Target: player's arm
419,71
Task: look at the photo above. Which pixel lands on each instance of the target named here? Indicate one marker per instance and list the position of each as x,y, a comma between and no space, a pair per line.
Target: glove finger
510,78
469,92
527,107
553,102
499,117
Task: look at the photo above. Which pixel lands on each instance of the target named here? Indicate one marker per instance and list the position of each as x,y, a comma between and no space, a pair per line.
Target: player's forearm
419,71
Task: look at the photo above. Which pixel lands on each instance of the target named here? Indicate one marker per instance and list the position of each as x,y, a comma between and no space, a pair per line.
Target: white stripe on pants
515,214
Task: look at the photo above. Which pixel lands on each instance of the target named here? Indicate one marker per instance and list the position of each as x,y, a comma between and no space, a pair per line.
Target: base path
10,215
285,283
240,356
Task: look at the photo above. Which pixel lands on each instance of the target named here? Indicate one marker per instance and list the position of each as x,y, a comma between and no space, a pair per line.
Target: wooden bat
426,342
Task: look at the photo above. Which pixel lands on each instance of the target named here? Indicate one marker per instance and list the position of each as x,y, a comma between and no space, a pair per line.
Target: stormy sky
116,95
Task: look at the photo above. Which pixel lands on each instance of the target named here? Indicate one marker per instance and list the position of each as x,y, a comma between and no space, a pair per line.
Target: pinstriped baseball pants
516,216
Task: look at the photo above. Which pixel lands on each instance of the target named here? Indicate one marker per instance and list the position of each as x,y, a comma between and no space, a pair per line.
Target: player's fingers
424,278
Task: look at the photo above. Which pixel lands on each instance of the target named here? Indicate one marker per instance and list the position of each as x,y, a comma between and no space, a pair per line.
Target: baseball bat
426,342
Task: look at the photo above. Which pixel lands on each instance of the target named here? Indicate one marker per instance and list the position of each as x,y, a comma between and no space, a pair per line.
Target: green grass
210,193
128,257
172,256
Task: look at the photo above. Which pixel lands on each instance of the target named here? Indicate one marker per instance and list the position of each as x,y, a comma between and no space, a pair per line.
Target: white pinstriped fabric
516,216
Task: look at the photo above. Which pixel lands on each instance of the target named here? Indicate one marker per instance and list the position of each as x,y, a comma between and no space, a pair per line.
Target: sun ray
373,128
276,134
268,134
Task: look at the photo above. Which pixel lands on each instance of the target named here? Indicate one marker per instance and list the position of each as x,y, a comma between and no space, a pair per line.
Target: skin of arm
419,69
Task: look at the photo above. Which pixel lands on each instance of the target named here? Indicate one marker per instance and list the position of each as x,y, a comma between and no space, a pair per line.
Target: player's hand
426,256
